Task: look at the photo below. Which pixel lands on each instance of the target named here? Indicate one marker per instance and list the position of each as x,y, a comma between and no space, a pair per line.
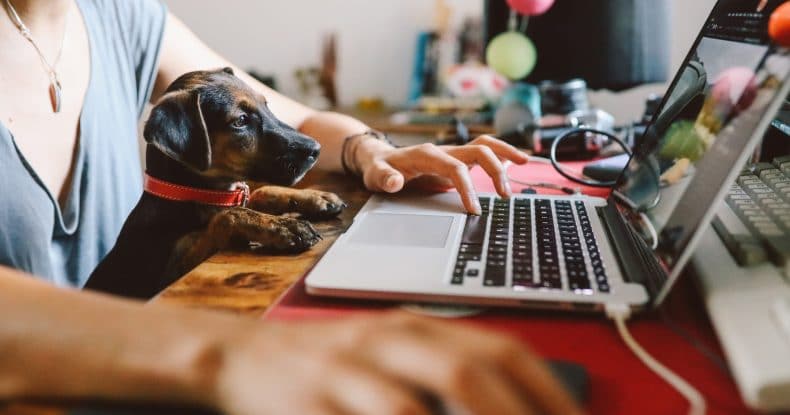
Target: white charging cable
620,313
651,229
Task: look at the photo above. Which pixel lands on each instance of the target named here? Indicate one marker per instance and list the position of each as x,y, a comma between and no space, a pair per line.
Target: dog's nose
311,151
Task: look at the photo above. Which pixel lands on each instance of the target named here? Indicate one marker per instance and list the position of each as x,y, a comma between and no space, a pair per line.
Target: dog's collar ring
245,192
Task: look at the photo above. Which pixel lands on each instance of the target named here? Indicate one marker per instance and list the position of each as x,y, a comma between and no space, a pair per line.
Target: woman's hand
391,364
388,169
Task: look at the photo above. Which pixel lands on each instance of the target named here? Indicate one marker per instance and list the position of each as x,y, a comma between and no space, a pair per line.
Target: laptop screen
719,98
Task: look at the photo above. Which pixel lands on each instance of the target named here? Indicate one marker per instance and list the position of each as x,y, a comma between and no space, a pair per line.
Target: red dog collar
177,192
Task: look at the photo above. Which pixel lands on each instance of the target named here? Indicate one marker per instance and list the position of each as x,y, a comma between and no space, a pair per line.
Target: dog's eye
242,121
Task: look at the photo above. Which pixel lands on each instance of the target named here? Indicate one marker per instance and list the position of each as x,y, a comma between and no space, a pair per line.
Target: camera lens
563,97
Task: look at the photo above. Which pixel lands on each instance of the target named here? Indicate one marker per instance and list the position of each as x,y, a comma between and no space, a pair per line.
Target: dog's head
215,124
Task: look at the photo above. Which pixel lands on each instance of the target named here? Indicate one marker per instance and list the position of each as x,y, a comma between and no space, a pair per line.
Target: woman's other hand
386,364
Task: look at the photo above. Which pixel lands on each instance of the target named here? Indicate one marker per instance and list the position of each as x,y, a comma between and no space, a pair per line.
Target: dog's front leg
312,204
237,225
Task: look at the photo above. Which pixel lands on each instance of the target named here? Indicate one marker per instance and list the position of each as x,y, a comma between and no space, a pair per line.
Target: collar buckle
245,192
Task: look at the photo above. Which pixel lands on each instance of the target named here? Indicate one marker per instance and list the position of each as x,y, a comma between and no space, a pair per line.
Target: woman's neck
40,15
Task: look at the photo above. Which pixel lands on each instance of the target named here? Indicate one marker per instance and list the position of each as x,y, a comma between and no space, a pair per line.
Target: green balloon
682,141
511,54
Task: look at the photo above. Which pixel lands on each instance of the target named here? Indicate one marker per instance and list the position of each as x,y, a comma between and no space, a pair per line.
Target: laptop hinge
634,256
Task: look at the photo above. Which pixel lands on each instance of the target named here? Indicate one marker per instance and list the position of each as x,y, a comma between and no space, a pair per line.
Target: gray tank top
63,246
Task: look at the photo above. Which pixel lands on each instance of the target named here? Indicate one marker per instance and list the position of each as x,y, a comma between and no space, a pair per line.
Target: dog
207,135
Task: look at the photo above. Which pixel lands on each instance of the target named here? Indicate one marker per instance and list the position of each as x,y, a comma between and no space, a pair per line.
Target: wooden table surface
248,283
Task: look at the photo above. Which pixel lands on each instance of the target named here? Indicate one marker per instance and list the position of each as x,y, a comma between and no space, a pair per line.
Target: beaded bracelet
378,135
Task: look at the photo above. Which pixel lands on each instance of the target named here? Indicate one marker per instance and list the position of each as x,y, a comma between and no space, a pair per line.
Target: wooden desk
248,283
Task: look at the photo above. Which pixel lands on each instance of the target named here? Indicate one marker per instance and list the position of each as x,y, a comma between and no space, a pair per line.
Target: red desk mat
619,382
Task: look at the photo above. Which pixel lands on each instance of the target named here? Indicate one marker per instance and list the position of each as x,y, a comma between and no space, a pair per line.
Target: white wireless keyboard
748,306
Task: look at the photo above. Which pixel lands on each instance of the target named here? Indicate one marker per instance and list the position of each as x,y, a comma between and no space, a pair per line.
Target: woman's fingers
324,407
502,149
522,366
359,388
487,159
382,177
430,159
447,369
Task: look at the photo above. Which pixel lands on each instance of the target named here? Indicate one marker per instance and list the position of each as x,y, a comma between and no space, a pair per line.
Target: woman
72,94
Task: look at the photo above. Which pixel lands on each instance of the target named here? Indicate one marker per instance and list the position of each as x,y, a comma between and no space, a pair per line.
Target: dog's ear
177,128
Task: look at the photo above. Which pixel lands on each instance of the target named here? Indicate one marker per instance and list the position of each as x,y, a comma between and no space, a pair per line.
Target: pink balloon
530,7
735,88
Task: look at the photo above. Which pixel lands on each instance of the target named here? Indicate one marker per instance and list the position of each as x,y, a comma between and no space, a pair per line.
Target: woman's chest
47,140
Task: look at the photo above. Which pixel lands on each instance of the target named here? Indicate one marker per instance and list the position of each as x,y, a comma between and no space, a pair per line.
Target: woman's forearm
330,129
60,344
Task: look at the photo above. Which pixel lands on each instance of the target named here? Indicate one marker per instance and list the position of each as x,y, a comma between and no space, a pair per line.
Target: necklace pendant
55,95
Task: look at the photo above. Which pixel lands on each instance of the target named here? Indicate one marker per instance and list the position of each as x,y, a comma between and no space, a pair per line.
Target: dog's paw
315,204
310,204
288,235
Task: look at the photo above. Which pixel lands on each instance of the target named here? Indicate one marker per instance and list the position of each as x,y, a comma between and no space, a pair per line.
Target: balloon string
524,23
511,22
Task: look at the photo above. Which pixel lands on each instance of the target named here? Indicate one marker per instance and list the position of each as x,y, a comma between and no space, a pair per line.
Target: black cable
584,130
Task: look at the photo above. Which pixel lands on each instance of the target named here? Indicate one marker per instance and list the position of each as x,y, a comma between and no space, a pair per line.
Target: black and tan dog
209,132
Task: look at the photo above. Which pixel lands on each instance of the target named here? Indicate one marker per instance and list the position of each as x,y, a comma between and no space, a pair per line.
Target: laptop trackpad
429,231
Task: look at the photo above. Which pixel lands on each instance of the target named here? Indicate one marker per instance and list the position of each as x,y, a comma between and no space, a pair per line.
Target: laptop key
555,284
494,276
474,230
599,273
468,257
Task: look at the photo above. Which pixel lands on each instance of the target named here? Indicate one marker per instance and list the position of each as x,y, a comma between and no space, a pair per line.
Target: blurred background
376,42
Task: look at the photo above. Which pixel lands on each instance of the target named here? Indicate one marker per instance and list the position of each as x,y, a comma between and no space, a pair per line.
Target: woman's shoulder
126,38
129,16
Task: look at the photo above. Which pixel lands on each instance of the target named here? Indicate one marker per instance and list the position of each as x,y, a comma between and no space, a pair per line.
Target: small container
563,97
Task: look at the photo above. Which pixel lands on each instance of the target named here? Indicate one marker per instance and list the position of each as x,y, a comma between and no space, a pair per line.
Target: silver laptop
580,253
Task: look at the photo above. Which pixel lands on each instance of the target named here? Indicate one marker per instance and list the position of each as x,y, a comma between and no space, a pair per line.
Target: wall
687,18
376,40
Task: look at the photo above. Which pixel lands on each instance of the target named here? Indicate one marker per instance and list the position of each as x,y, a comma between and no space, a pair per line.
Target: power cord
620,314
583,180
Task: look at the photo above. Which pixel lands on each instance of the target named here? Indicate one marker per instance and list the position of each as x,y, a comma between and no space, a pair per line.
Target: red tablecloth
619,382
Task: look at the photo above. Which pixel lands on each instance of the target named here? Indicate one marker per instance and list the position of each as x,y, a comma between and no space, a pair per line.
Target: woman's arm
382,167
64,344
57,344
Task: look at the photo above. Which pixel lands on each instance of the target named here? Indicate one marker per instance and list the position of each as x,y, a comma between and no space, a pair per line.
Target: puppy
208,134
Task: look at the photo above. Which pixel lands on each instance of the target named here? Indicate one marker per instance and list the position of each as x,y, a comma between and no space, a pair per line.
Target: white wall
376,40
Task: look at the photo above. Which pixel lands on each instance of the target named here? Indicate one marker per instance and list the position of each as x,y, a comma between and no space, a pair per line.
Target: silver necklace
55,90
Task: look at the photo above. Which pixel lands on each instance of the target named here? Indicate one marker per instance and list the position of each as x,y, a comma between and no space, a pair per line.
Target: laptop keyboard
531,244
